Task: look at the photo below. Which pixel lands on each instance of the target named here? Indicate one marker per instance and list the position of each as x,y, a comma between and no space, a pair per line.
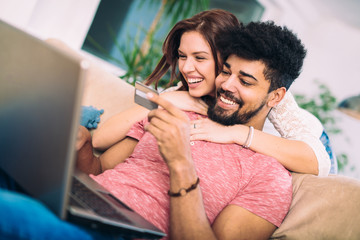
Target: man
203,190
241,194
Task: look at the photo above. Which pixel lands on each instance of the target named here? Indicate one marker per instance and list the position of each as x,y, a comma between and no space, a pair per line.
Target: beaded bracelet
249,137
184,191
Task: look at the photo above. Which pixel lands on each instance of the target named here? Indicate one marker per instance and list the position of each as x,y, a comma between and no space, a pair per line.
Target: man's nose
230,83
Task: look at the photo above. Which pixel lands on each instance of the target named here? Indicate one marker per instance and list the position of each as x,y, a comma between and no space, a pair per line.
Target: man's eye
225,72
245,82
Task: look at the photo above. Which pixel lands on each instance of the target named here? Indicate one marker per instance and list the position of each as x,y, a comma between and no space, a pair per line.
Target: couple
202,190
189,49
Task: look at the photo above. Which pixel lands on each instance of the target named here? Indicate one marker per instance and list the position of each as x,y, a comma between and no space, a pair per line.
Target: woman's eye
200,58
182,56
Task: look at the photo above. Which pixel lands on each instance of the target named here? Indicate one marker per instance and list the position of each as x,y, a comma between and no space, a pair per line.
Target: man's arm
235,222
90,164
188,220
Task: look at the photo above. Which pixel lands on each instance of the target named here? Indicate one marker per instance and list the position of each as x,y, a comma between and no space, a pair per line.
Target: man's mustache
230,96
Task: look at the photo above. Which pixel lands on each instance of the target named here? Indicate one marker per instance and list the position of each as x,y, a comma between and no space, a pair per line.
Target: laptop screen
40,93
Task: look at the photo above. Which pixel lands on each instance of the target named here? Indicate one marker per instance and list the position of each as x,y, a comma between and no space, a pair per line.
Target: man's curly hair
277,47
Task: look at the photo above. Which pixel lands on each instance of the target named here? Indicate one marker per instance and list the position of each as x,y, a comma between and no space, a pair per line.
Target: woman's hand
208,130
184,101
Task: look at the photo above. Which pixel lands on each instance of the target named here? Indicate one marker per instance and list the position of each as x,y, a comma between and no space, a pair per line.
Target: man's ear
276,96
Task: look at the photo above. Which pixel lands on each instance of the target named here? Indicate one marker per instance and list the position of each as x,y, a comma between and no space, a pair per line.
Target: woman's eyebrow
197,52
204,52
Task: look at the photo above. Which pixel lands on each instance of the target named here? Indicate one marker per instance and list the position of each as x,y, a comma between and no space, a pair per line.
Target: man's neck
256,125
258,121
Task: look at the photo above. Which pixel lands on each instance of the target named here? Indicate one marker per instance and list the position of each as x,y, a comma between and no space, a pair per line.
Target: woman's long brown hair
209,24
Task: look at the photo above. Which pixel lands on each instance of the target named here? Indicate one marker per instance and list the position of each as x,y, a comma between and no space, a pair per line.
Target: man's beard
219,114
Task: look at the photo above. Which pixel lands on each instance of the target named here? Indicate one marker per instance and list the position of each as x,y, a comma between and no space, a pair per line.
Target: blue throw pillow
90,116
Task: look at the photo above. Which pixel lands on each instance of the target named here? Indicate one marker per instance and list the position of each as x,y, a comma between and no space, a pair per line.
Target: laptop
40,97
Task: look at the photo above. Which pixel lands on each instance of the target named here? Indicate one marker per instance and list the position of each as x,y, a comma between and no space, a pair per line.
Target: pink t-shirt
228,174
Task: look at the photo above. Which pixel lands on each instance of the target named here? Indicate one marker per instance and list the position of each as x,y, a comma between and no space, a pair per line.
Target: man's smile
226,100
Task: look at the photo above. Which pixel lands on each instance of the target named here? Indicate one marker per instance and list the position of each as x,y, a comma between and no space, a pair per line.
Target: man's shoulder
271,174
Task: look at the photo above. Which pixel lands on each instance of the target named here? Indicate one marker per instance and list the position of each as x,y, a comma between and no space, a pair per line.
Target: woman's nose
188,65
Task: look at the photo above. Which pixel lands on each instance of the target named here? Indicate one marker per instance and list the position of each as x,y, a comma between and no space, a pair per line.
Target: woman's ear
276,96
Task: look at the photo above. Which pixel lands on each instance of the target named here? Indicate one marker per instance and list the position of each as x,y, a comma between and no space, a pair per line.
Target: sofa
322,207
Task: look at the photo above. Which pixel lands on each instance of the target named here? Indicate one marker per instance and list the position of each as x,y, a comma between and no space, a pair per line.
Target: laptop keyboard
96,203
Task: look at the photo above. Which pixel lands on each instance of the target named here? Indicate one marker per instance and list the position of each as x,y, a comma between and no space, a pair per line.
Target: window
119,24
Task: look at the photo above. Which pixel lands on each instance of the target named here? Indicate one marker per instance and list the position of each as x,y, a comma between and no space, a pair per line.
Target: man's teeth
227,101
195,80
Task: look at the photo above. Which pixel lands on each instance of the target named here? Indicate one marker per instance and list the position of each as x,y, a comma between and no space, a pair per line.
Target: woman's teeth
227,101
195,80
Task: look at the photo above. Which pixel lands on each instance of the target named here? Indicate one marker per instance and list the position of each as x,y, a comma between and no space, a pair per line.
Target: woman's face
196,64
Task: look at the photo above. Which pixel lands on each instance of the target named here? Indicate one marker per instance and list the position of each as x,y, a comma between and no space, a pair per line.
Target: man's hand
86,161
171,128
83,136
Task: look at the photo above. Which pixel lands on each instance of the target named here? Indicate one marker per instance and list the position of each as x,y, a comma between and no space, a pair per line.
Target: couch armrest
106,91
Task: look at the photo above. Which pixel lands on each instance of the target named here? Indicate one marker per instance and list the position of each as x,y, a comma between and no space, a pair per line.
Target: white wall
67,20
11,11
333,59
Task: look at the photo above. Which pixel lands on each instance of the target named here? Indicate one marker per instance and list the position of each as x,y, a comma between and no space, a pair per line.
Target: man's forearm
87,162
171,128
188,218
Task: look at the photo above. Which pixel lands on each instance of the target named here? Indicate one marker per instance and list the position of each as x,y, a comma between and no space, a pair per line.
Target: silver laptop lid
40,93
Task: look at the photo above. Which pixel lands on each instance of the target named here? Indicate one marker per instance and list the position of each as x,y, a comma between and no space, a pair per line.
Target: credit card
140,95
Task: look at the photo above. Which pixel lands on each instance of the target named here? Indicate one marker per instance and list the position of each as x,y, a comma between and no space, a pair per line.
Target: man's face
242,93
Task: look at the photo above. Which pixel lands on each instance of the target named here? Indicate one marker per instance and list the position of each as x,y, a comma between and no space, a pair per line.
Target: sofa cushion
322,208
105,91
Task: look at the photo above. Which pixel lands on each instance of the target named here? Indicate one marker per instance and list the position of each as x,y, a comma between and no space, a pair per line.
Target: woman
191,46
